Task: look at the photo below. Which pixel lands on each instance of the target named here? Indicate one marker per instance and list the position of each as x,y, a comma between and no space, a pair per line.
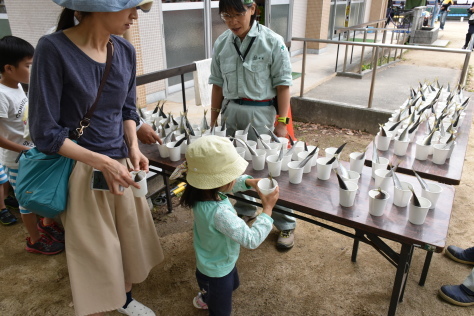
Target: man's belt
244,101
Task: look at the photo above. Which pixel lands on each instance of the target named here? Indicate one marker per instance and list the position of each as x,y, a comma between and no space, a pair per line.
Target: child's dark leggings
217,292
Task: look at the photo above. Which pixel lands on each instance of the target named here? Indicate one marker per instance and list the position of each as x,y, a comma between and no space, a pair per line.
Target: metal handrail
462,80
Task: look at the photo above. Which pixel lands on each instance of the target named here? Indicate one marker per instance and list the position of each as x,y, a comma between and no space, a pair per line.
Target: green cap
247,2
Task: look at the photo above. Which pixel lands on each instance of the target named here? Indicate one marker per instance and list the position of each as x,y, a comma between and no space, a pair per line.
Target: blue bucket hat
104,5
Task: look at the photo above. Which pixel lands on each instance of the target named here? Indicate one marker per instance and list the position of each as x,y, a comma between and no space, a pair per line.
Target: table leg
400,277
166,180
355,246
426,266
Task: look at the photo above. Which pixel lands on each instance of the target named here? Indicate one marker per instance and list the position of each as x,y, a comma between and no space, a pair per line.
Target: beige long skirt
110,240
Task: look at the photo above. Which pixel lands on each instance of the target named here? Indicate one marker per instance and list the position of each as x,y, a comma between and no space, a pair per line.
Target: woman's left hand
139,161
280,130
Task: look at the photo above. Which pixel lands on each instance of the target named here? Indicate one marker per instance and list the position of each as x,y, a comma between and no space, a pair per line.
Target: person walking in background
16,56
444,12
250,66
470,30
460,295
111,238
213,168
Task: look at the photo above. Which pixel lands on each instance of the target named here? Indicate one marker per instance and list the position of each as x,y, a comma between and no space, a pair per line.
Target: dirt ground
316,277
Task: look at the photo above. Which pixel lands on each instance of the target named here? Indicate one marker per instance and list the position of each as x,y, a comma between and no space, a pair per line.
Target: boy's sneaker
7,218
460,255
11,202
199,303
53,231
44,245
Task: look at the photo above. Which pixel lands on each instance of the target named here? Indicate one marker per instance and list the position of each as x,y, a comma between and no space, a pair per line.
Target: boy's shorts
3,175
12,174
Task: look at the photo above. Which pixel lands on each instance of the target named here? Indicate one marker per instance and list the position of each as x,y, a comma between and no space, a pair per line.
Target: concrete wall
317,22
337,114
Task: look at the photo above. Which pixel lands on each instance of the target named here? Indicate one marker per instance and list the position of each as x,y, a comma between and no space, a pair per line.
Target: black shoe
460,255
11,201
457,294
7,218
44,246
53,231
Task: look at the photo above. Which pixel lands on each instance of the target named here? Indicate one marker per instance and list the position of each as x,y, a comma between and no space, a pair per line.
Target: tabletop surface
321,199
449,173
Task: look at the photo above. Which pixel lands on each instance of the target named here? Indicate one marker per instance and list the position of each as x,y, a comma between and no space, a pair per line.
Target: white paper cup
352,176
163,150
274,148
219,132
266,187
400,147
299,147
440,154
347,197
382,164
274,166
258,162
329,152
284,142
433,194
356,164
377,206
252,144
382,179
401,197
383,142
315,157
323,171
175,152
240,151
422,151
241,135
142,183
266,138
416,214
284,163
302,155
295,174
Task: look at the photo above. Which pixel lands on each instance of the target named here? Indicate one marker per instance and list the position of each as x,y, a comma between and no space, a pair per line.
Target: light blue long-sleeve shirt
219,232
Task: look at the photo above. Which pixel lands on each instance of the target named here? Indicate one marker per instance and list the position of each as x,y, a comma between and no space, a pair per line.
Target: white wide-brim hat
213,162
104,5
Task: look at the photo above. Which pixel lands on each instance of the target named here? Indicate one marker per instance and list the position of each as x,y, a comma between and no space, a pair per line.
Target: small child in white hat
213,168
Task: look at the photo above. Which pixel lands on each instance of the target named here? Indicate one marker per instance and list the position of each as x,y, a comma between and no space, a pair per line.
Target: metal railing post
374,73
465,68
303,70
346,52
390,49
362,52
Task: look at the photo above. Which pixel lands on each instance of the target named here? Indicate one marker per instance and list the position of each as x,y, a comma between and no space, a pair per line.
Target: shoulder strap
85,122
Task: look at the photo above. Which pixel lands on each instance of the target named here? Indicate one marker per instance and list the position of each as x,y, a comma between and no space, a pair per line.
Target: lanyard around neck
246,51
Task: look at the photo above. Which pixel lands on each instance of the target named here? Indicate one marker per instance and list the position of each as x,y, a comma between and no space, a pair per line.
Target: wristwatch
283,119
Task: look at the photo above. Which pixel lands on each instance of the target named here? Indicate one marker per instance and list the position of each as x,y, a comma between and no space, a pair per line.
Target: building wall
300,15
32,19
378,10
317,22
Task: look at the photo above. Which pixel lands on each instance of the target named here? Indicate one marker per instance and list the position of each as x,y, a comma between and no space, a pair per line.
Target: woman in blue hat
111,239
250,66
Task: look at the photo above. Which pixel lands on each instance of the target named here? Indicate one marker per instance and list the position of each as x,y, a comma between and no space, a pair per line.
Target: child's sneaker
53,231
198,302
7,218
11,202
44,245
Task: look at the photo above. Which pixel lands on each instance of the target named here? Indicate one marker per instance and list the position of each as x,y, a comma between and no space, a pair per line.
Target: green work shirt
266,66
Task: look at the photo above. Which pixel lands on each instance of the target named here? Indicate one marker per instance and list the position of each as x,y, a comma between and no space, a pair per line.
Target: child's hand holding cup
268,192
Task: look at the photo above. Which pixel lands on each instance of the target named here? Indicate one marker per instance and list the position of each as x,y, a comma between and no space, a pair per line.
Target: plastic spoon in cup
271,180
274,137
422,182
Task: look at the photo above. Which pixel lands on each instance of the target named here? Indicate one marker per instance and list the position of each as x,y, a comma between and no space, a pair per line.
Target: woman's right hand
116,175
269,200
